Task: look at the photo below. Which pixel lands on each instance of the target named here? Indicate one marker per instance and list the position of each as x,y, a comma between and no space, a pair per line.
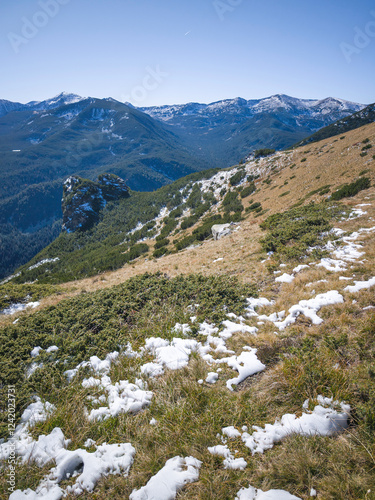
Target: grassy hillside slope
200,361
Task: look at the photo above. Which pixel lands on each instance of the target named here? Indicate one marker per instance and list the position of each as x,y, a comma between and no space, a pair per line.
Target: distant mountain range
42,143
228,130
351,122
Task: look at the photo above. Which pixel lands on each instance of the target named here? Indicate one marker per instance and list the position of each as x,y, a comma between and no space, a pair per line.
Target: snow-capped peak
59,100
271,104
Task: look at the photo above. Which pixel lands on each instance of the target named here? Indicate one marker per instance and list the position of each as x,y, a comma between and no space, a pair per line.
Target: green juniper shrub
237,177
364,172
189,221
159,252
254,207
177,212
292,232
201,209
161,243
231,202
322,190
185,242
169,225
195,197
261,153
349,190
13,294
248,190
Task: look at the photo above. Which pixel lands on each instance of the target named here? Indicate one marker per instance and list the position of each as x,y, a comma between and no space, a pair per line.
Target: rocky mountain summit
84,199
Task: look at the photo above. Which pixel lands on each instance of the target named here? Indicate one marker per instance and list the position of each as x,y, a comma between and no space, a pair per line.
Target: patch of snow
360,285
21,441
35,352
217,260
251,493
230,462
9,278
332,264
309,308
42,262
355,213
300,267
15,308
246,364
182,328
322,421
95,363
53,348
89,442
176,473
285,278
121,397
87,468
231,432
253,303
212,377
231,328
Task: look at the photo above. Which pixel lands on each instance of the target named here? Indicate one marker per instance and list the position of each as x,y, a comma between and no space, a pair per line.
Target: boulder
220,230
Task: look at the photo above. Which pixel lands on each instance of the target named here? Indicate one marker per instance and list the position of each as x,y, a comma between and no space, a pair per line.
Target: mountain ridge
356,120
270,103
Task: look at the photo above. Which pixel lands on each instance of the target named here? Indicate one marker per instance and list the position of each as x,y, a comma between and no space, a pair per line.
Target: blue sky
153,52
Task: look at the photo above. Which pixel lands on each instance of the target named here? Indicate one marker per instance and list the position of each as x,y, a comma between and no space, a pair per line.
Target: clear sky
153,52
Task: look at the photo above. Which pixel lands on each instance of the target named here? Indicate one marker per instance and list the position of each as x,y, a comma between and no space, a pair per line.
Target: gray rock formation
84,199
220,230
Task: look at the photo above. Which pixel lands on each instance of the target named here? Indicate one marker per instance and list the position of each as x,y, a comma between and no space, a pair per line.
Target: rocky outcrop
84,199
220,230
